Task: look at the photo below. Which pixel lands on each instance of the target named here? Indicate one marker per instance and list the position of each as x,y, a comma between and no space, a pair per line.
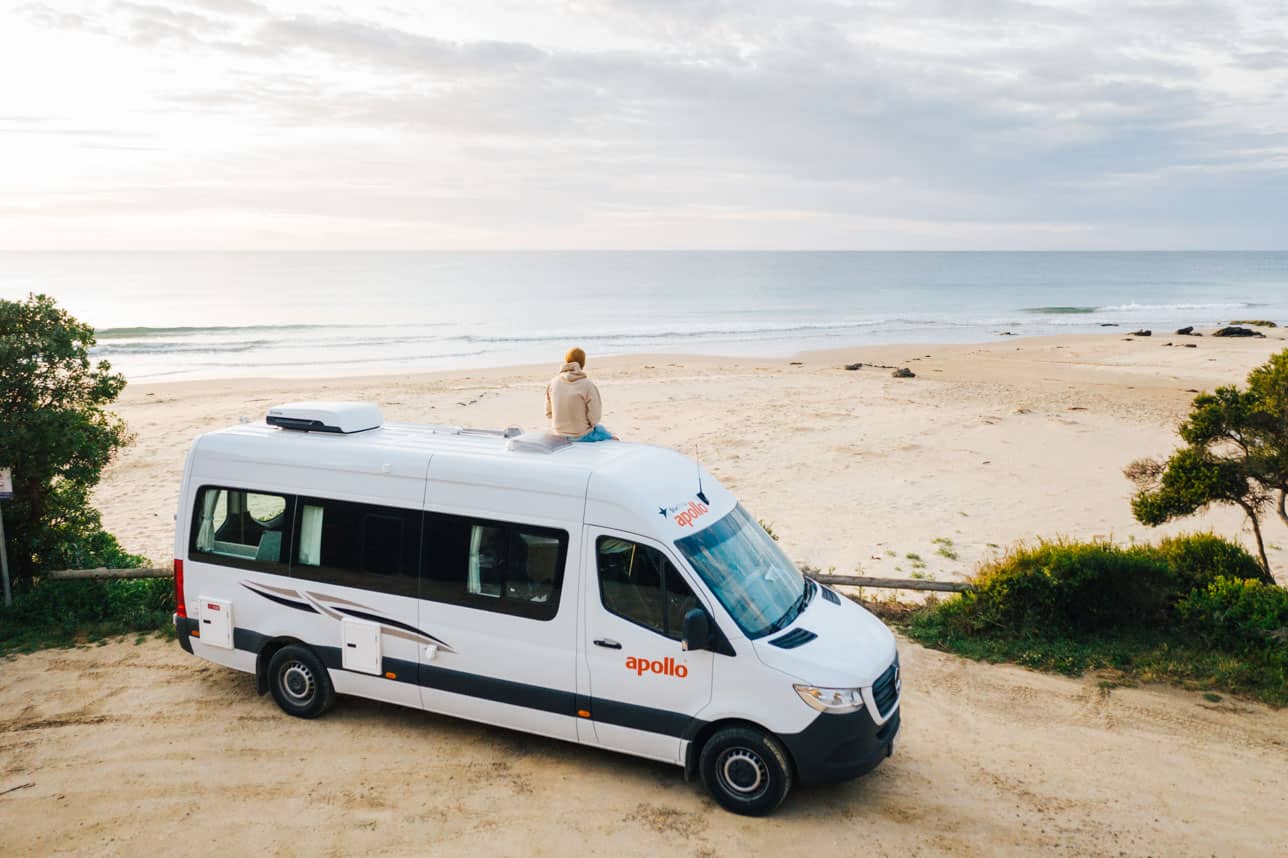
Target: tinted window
357,545
496,566
639,584
238,527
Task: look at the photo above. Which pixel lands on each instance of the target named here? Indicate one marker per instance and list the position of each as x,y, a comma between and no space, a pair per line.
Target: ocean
173,316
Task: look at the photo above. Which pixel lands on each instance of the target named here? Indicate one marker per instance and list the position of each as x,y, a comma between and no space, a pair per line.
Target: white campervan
613,594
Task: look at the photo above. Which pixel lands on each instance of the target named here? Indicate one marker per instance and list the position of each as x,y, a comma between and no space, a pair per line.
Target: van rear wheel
747,771
299,682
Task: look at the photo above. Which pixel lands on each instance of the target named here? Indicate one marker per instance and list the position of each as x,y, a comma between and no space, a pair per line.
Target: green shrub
1061,587
1189,611
1197,559
60,612
1233,612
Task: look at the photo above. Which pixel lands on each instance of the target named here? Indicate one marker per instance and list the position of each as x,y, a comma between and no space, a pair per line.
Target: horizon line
643,250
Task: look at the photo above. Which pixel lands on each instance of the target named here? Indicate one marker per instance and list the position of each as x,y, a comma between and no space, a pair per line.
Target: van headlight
836,701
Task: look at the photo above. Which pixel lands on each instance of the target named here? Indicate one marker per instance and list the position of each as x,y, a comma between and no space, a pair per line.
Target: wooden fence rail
894,583
100,573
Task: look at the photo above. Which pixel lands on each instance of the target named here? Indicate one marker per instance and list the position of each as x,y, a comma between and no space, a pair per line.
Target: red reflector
179,607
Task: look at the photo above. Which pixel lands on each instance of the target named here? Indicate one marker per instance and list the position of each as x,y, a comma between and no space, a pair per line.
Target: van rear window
239,527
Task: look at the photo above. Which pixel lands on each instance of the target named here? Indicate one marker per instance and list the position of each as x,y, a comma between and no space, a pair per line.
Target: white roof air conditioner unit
339,417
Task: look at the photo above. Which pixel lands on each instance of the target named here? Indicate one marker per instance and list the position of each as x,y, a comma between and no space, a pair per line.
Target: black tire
746,770
299,682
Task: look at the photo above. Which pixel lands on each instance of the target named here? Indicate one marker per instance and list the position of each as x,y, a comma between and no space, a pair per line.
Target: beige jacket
572,402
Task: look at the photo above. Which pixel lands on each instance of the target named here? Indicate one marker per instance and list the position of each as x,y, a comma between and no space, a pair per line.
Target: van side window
492,565
357,545
638,583
238,527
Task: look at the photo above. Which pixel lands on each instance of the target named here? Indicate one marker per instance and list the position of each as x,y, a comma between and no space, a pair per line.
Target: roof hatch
342,418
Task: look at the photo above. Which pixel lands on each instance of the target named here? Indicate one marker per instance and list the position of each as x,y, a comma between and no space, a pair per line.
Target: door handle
609,644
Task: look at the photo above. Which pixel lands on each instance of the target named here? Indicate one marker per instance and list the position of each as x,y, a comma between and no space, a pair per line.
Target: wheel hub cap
297,682
743,772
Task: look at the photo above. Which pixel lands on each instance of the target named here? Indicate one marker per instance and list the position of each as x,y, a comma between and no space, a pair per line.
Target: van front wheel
745,770
299,682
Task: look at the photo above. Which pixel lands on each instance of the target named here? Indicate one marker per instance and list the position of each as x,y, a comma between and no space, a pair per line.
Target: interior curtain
311,535
475,584
206,533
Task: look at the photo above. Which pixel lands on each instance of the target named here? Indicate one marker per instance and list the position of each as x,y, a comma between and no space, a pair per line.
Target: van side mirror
696,631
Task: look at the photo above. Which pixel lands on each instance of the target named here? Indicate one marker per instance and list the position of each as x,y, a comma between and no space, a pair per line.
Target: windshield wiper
806,594
795,610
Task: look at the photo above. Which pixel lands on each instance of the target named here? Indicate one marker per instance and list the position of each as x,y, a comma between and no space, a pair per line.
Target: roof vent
536,442
343,418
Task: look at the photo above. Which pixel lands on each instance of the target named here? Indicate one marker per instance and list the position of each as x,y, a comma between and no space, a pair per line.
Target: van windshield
747,571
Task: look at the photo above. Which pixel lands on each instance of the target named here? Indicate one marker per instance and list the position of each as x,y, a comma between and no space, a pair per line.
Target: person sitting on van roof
573,404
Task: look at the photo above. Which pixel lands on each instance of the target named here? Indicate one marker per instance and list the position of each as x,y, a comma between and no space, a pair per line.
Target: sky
668,124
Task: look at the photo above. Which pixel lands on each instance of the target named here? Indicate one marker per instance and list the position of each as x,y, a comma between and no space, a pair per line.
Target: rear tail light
179,607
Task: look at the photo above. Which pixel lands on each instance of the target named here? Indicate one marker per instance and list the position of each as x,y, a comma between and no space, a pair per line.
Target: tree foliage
57,436
1236,452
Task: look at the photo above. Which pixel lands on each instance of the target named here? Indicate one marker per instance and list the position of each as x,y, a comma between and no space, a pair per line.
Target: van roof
416,437
621,484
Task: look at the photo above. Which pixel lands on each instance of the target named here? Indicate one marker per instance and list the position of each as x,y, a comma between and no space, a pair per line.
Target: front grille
885,691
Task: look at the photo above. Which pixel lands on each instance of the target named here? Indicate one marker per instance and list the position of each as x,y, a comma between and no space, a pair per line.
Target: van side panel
514,671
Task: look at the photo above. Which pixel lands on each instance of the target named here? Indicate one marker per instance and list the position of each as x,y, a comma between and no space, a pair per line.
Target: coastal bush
1190,610
57,437
1233,612
1197,559
61,613
1065,587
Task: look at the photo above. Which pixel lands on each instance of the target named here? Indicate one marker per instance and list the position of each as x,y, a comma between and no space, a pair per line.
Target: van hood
851,650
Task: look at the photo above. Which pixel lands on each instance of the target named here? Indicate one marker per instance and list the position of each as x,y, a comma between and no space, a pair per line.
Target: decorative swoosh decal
317,603
281,599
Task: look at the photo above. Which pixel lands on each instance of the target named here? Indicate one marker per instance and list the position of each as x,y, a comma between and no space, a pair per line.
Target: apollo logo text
691,513
665,667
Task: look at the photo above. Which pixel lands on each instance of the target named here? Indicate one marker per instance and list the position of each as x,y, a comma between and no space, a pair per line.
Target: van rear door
645,692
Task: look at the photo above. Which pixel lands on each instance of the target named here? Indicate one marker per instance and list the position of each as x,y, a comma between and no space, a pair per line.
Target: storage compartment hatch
360,646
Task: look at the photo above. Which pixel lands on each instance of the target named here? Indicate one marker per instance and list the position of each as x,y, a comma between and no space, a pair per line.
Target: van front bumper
836,748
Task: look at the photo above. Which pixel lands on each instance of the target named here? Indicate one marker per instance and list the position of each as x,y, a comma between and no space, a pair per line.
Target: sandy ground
144,750
136,750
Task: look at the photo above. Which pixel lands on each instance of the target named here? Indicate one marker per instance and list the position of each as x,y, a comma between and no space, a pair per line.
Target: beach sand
140,749
989,444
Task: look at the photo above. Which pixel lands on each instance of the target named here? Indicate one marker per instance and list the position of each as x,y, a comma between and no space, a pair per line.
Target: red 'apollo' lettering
665,667
691,513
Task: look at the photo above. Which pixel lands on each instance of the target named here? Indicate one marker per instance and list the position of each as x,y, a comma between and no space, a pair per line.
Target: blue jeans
599,433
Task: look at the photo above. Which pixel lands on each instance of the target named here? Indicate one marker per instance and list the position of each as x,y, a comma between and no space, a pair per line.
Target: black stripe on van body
499,690
282,600
537,697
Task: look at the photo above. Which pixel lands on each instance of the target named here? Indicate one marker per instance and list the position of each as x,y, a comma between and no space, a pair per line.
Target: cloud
1103,117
